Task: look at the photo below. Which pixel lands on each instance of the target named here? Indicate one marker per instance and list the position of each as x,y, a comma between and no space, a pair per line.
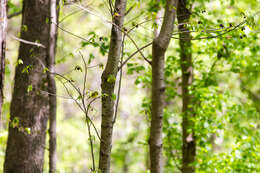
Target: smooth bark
3,30
29,106
160,45
108,84
188,138
54,10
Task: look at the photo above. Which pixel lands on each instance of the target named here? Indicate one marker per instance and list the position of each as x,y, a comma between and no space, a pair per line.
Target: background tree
108,84
54,16
3,30
29,106
188,136
160,45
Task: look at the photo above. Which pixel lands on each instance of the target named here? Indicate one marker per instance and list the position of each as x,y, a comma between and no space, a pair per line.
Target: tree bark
3,30
108,84
160,45
54,11
29,106
188,138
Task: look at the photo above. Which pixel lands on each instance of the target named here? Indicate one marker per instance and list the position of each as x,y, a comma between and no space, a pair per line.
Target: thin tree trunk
213,142
160,45
108,84
29,106
3,30
54,10
188,138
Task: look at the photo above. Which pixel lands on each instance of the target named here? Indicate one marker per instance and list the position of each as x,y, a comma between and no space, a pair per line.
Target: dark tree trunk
29,106
54,11
160,45
3,30
108,84
188,138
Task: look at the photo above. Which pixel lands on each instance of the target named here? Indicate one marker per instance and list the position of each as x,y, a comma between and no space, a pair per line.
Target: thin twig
64,97
85,74
92,13
135,44
14,14
215,36
120,80
121,29
133,54
71,33
27,42
90,136
111,7
72,13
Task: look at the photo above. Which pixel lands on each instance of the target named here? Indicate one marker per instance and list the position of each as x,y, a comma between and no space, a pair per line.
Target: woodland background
226,67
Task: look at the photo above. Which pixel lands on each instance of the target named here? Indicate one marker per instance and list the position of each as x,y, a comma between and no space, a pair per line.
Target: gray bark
188,138
108,87
54,10
3,30
160,45
29,108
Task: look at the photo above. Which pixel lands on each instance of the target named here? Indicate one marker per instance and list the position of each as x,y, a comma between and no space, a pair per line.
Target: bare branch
27,42
133,54
68,32
120,79
14,14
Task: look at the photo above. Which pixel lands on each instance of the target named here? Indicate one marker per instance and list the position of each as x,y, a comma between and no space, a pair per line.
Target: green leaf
111,78
91,57
113,97
29,88
79,97
28,130
105,95
26,69
94,94
84,43
24,28
15,122
20,61
45,69
47,20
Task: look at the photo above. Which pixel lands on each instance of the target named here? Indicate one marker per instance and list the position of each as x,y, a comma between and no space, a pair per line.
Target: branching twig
139,50
215,36
86,111
132,55
121,29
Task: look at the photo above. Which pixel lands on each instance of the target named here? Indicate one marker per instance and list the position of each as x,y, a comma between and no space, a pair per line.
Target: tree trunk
108,84
160,45
3,30
29,106
188,138
54,11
